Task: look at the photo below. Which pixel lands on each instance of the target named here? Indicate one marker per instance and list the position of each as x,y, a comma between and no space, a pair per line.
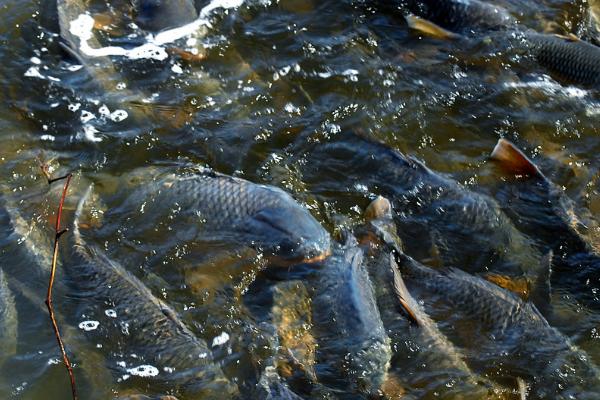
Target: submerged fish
165,350
503,331
461,227
542,210
437,366
216,207
352,340
271,387
566,57
8,319
291,314
267,346
158,15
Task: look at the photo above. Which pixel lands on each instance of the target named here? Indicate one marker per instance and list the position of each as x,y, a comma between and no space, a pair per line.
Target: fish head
380,222
289,232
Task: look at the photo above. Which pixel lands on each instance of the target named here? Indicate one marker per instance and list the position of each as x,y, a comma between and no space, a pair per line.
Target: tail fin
77,217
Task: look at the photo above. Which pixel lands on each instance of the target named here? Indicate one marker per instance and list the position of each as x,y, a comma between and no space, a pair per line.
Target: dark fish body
158,15
349,330
271,387
8,319
224,208
129,314
500,324
542,210
567,58
462,15
573,60
539,207
466,229
438,365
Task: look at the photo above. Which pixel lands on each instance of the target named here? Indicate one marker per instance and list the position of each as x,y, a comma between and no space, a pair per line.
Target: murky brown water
278,79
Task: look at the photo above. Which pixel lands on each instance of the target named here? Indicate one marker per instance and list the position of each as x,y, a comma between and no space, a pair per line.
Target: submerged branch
58,232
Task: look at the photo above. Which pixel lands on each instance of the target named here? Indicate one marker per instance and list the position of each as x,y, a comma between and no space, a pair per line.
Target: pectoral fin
429,28
519,286
404,298
570,37
514,160
187,56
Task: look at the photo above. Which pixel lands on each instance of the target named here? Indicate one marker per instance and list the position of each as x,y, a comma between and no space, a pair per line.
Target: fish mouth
290,261
319,257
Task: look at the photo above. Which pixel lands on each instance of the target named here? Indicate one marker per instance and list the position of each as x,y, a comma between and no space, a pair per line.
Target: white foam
550,87
89,134
221,339
291,108
82,27
143,371
74,106
86,116
104,110
118,115
89,325
48,138
214,4
177,69
34,72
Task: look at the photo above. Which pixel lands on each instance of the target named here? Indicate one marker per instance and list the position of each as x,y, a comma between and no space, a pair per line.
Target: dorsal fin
514,160
519,286
429,28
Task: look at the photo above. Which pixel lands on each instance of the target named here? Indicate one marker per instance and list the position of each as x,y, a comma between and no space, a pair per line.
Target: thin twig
57,234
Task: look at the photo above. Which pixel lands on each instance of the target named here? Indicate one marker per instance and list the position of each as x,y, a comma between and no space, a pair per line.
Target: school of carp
391,307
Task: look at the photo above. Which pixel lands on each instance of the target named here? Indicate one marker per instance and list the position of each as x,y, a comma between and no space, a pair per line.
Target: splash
83,26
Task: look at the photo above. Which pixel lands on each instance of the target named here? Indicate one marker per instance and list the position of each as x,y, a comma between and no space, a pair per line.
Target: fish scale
346,317
430,206
506,325
216,207
8,319
570,59
155,333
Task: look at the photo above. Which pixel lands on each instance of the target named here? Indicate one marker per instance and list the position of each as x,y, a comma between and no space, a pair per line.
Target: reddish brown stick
57,234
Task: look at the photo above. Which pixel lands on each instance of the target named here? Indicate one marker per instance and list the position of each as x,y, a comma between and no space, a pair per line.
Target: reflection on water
309,97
